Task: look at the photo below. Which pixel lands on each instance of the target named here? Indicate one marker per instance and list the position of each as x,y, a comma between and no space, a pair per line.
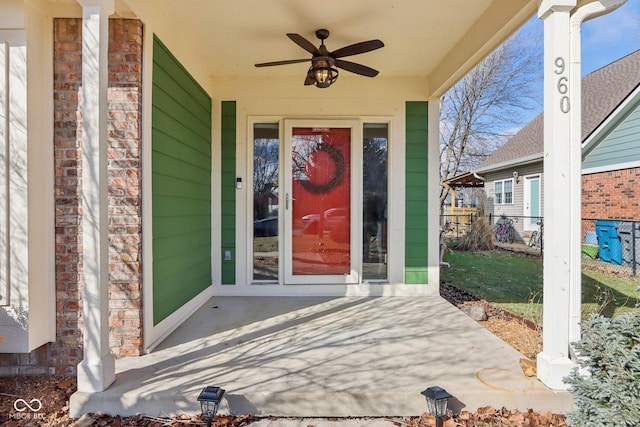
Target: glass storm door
318,203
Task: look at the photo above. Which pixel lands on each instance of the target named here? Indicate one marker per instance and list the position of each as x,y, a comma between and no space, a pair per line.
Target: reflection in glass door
374,202
320,201
266,158
318,205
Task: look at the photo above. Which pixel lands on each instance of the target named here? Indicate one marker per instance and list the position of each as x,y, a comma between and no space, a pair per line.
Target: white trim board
162,330
610,168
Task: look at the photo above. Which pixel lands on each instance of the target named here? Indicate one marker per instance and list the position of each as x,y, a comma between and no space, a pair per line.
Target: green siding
228,196
416,193
181,185
621,145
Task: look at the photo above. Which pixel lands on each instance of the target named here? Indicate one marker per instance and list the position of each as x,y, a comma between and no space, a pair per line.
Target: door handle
288,198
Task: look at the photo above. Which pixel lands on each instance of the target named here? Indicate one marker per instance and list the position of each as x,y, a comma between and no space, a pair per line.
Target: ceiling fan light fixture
323,71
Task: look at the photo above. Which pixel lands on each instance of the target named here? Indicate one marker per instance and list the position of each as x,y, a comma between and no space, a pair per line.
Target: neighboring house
514,174
132,132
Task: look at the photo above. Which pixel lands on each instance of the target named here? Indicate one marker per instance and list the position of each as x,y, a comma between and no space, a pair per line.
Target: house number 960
562,86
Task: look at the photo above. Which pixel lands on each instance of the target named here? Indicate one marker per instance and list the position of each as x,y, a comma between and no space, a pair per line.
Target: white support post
561,200
433,198
97,369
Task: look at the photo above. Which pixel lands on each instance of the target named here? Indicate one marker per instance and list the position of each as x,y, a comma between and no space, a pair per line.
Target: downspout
582,14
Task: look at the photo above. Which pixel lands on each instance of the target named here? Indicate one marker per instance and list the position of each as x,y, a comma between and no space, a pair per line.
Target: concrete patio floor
323,357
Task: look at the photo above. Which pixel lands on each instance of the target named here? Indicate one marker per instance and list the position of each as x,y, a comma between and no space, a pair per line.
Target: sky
605,39
610,37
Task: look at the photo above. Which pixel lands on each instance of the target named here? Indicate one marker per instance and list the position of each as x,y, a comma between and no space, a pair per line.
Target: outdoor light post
209,399
437,400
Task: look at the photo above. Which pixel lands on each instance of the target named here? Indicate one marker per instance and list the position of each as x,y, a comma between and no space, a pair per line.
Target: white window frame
502,193
276,120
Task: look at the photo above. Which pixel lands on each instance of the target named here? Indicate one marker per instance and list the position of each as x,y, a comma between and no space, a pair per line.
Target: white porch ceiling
436,39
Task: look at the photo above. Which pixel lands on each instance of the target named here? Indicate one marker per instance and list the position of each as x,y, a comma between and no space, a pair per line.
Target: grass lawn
515,282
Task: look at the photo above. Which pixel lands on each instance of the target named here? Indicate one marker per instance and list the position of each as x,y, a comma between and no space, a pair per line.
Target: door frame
355,125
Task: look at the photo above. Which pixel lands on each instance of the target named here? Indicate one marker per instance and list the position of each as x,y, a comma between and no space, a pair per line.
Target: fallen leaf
65,384
529,367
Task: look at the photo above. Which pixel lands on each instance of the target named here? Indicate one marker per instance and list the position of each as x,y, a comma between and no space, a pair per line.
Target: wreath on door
338,159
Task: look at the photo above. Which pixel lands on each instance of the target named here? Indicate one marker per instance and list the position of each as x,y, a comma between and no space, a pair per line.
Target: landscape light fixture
323,72
437,400
209,399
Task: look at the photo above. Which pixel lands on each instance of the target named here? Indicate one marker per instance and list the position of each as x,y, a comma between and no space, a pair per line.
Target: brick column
66,352
124,193
125,187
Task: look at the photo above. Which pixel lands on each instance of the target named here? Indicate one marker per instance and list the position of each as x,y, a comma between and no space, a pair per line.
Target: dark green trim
416,184
181,184
228,191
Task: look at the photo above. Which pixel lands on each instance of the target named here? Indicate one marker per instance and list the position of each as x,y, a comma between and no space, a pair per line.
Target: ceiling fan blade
288,61
363,70
303,43
357,48
309,80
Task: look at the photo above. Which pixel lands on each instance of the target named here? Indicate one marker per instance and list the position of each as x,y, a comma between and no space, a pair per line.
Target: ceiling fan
324,64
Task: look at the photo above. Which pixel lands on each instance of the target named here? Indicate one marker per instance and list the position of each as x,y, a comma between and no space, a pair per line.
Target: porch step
324,357
374,403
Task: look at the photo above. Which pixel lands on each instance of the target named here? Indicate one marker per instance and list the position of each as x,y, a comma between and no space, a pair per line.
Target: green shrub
607,387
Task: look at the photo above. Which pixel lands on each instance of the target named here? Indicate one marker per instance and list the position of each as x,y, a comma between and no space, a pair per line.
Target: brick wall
125,199
612,195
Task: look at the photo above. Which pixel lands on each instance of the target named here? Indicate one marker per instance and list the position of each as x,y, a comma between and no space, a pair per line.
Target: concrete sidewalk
323,357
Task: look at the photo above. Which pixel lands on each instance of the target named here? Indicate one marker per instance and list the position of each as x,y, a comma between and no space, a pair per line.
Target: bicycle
504,231
536,237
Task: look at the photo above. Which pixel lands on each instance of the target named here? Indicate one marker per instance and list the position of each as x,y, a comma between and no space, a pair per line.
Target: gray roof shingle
603,91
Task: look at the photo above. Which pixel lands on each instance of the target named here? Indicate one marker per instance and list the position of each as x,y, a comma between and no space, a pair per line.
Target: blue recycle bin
610,247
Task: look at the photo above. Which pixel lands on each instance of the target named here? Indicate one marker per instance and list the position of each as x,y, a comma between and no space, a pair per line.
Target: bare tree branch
489,99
